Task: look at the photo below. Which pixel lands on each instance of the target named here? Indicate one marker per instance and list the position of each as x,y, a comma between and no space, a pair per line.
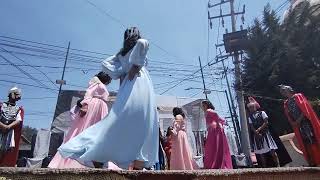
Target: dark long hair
130,38
178,111
208,104
170,128
104,77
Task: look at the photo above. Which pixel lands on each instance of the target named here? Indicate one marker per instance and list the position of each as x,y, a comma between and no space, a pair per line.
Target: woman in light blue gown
129,134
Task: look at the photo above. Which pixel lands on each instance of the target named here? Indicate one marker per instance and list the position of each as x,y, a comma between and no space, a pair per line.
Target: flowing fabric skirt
181,153
97,110
217,153
130,131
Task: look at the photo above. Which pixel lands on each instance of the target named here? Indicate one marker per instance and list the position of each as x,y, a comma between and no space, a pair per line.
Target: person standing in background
92,109
263,142
217,154
168,145
181,153
11,119
305,123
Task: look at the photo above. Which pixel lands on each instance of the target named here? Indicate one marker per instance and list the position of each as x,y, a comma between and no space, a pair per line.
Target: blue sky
177,29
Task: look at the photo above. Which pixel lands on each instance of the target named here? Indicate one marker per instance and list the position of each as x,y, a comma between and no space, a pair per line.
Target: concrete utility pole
242,110
245,142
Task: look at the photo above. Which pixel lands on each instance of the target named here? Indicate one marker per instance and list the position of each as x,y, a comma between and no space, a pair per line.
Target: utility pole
236,123
245,142
231,105
242,110
62,81
204,84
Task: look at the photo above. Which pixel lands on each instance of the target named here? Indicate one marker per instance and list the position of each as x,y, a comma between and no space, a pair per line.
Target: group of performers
304,121
127,136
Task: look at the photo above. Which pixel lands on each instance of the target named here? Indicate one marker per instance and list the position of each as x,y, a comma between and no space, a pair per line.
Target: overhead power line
51,45
30,85
46,48
103,11
26,73
32,66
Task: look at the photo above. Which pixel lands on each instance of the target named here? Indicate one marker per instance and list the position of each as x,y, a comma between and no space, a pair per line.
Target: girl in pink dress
93,108
216,150
181,154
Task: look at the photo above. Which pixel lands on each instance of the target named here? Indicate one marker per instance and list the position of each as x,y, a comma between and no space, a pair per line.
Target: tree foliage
28,132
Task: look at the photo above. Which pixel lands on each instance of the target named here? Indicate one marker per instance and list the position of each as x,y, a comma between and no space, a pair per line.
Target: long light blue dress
130,131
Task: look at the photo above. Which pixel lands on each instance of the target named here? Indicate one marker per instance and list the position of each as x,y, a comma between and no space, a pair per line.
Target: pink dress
96,98
181,154
217,153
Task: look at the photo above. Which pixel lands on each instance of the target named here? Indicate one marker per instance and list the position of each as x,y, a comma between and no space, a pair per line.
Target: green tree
28,132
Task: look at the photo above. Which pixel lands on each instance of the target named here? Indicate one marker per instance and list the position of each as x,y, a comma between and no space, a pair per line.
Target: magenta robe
217,153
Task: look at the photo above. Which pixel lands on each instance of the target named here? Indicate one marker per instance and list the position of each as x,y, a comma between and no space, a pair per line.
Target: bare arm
3,126
263,126
121,79
251,127
133,71
14,124
83,110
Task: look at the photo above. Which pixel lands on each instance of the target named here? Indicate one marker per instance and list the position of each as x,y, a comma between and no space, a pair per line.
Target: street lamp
59,81
206,91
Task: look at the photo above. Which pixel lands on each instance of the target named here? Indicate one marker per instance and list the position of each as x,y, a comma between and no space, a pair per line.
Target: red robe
10,158
309,113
